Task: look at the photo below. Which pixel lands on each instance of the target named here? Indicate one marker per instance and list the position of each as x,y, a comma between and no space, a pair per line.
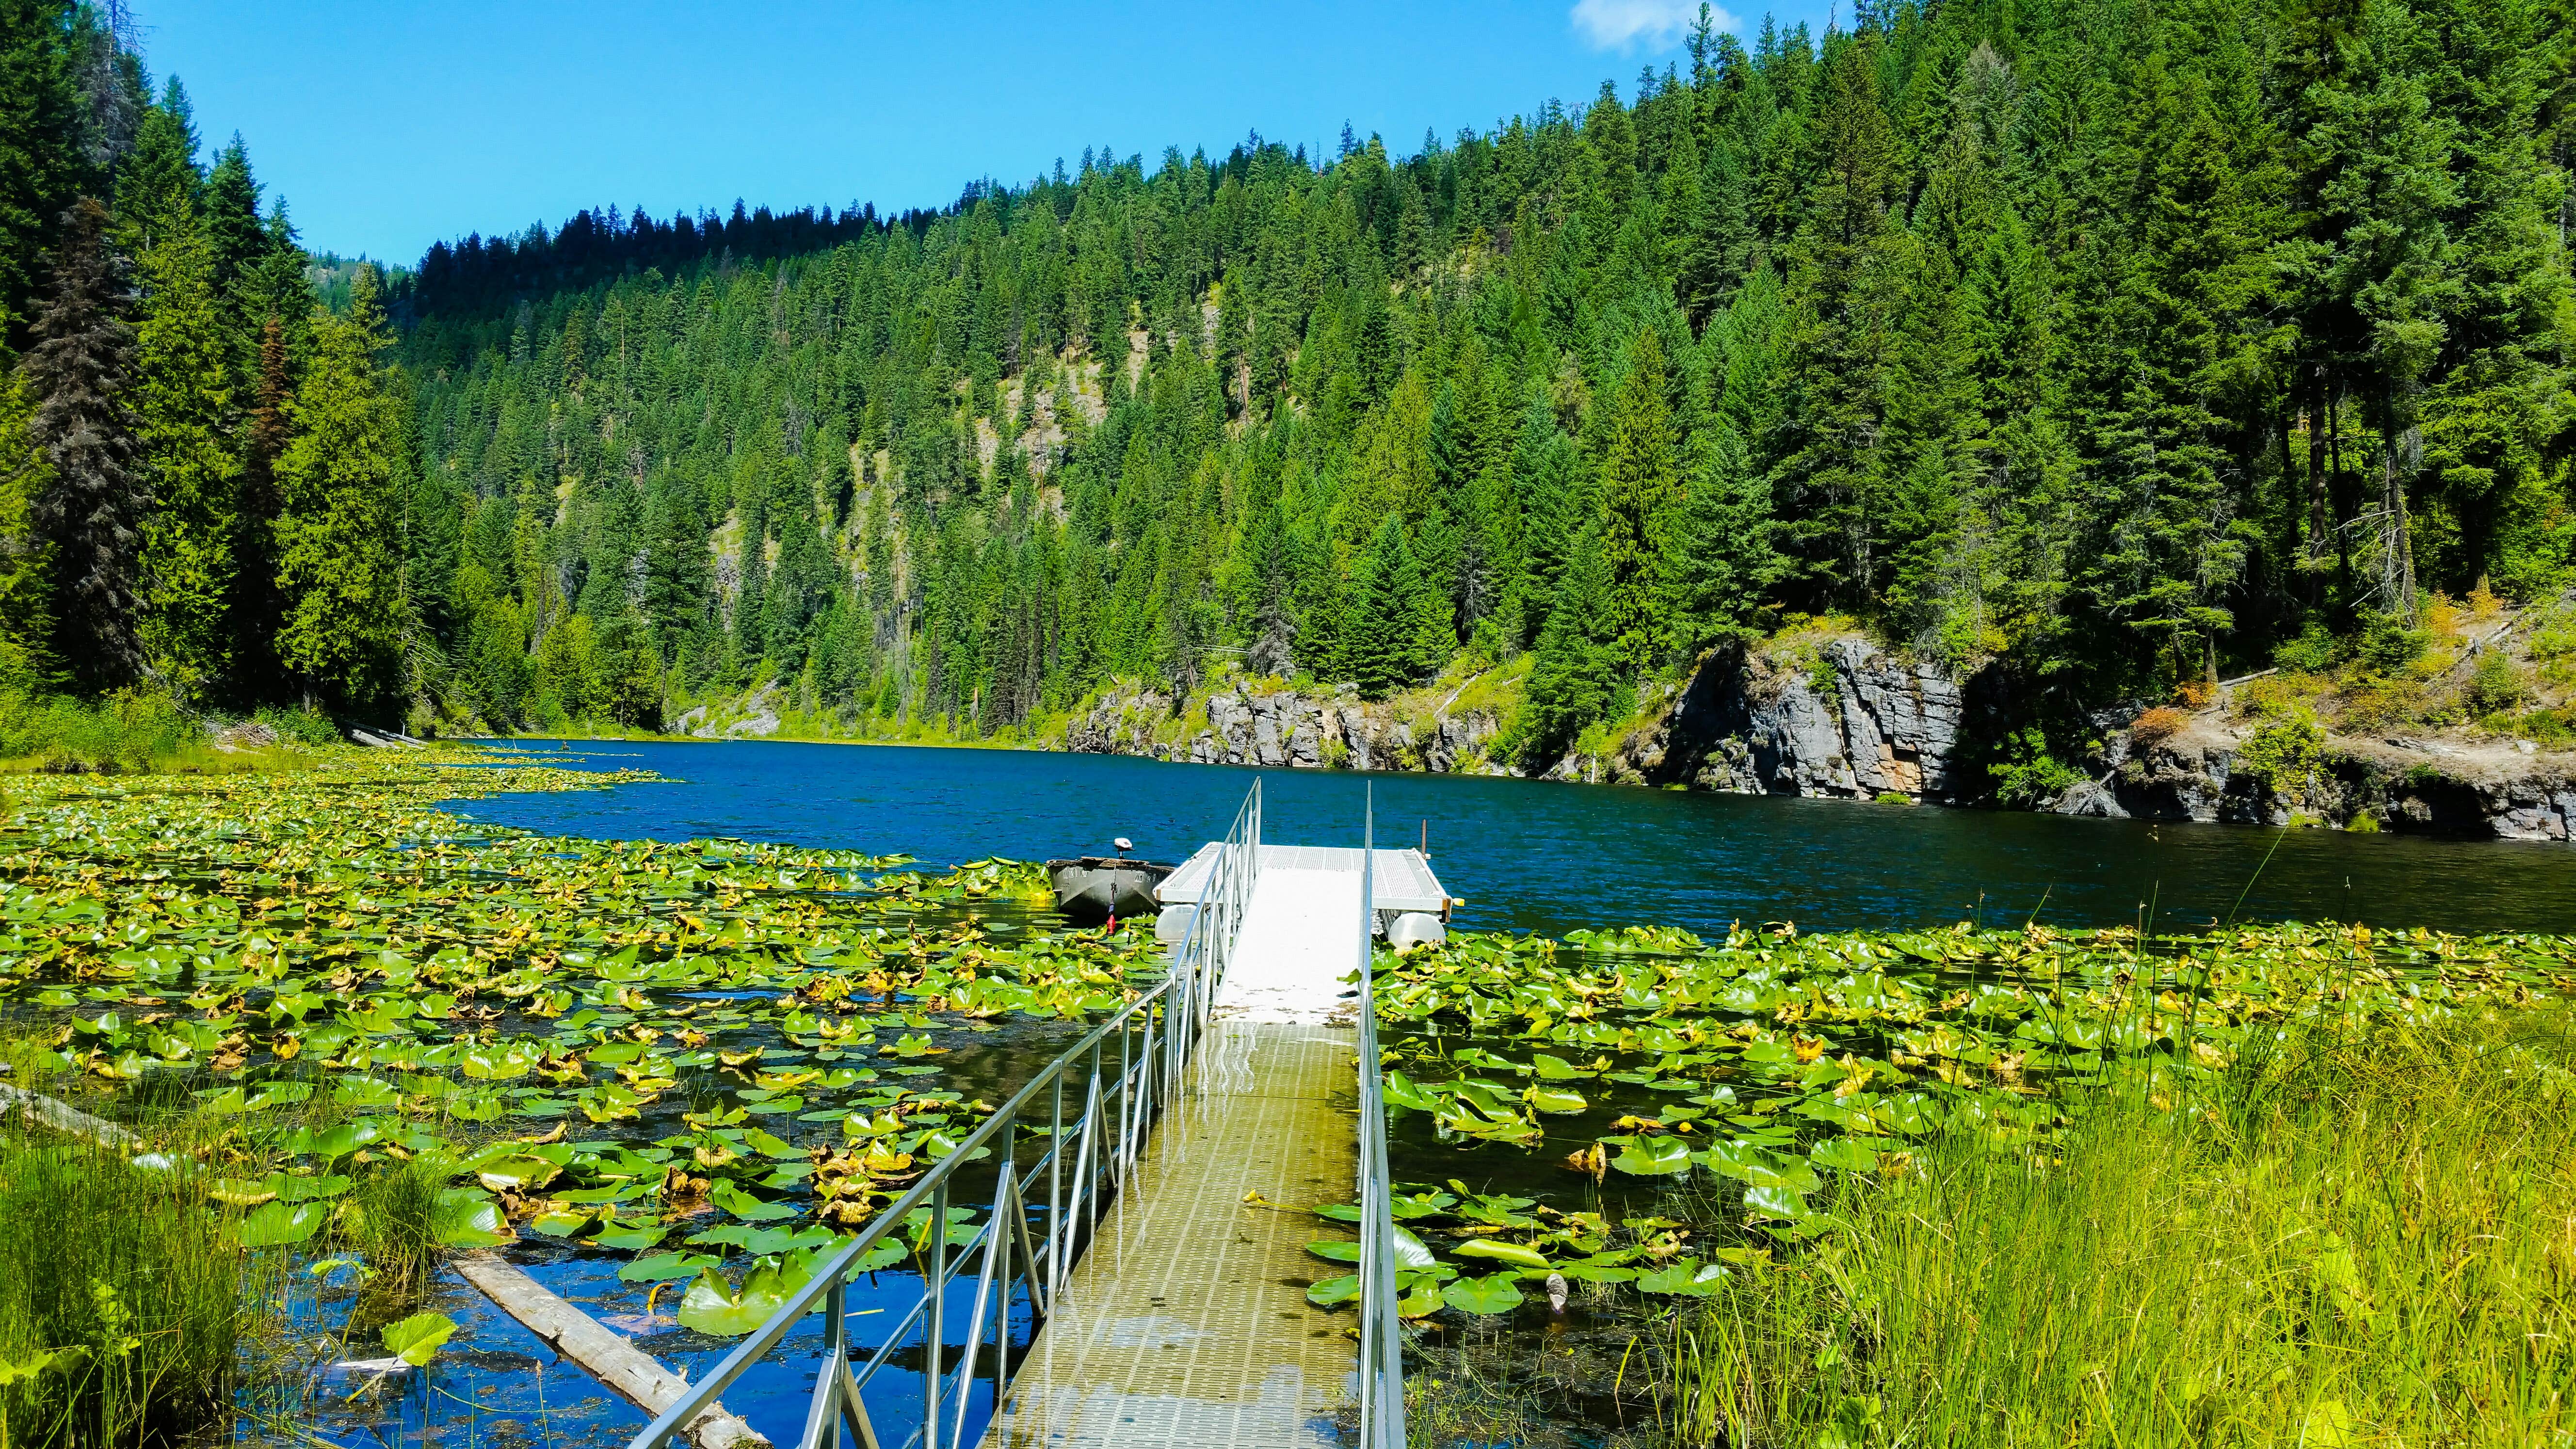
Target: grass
120,1297
2349,1242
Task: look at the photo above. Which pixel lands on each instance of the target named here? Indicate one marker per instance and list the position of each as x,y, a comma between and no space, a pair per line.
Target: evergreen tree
91,515
1727,563
339,569
1386,650
1570,671
183,394
26,594
257,607
41,162
1638,486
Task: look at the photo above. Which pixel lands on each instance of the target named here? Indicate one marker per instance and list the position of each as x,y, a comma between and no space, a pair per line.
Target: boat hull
1096,887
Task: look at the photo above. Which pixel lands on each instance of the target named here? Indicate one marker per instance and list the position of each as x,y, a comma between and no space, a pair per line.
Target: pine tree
26,602
1385,652
1570,671
1544,465
1727,562
41,165
158,175
257,607
1638,485
183,394
92,514
339,568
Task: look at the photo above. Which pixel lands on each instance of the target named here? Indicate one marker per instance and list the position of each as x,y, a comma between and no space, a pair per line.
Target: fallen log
628,1371
63,1117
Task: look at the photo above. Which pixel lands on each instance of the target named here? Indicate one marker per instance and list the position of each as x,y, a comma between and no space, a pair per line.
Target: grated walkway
1186,1325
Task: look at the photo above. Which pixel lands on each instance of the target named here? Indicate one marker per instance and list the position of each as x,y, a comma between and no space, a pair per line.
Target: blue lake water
1541,856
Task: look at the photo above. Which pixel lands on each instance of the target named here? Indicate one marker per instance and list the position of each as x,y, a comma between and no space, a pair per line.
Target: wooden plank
65,1118
628,1371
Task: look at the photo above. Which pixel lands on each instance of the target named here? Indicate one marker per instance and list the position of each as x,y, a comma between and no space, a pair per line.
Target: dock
1150,1202
1186,1325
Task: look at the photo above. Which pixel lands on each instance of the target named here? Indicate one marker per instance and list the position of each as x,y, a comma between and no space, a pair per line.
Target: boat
1094,888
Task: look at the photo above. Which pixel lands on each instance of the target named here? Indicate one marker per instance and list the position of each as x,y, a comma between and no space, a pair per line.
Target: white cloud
1625,25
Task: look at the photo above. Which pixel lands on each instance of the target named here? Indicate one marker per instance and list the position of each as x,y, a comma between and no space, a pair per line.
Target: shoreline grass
2348,1240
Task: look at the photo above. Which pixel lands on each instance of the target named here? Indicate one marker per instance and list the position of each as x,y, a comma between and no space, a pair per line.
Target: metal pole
935,1323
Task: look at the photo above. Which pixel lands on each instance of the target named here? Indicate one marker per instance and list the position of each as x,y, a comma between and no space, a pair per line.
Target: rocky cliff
2208,770
1841,718
1836,719
1285,729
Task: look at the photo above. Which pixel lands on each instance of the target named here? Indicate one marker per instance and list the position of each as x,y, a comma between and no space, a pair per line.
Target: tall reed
120,1289
2350,1238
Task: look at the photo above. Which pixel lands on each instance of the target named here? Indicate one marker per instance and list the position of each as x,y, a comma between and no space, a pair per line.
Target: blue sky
388,127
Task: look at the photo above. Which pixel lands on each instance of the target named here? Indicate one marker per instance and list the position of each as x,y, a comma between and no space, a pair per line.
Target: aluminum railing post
935,1324
834,1326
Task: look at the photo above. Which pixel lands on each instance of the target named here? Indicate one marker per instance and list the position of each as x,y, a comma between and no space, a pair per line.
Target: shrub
2027,774
2289,754
2389,644
2315,651
2157,726
132,730
302,726
2497,684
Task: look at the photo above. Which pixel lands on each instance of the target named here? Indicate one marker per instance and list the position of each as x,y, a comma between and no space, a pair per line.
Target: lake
1543,856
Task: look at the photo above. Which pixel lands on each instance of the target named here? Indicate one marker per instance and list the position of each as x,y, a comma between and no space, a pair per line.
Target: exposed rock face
1286,730
760,721
1854,722
2419,787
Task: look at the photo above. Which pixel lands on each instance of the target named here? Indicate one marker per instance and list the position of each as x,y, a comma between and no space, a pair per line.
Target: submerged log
631,1373
62,1117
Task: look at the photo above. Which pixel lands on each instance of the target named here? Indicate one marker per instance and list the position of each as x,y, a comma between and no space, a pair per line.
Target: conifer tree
41,165
1386,649
183,395
91,513
1638,485
1726,562
257,607
26,602
1571,669
339,572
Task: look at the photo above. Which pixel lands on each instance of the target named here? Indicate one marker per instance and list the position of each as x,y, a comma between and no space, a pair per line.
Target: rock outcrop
1843,720
2499,789
1285,729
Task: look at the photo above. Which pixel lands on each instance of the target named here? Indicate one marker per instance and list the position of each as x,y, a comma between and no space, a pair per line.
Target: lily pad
1497,1294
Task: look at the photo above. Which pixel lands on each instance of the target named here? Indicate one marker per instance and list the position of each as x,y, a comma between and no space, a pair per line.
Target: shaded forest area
2112,344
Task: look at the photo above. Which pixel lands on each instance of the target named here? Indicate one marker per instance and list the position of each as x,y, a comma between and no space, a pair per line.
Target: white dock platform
1297,954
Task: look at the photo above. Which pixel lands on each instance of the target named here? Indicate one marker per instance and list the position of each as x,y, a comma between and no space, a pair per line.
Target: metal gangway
1067,1152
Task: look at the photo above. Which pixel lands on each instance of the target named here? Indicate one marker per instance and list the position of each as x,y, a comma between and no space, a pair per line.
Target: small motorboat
1094,888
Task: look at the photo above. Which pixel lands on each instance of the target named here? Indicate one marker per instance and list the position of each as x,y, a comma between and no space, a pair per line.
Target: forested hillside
2114,343
2119,341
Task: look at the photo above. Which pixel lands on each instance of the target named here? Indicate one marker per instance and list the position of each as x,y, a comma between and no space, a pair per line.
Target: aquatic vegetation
2363,1238
118,1288
1769,1081
388,1033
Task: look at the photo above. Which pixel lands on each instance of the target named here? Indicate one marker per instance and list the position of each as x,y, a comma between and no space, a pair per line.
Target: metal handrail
1027,1243
1381,1342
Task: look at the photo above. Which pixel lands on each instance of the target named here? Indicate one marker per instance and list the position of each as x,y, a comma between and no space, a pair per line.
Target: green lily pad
1497,1294
276,1224
415,1340
1650,1156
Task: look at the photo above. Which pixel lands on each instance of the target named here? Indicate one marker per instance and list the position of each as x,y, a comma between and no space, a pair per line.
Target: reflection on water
1549,857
